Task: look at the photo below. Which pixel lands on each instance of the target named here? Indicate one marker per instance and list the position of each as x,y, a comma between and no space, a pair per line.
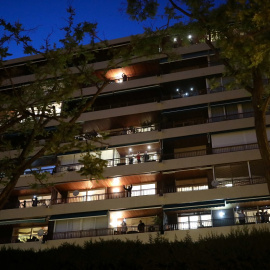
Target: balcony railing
202,91
104,232
128,160
85,198
241,182
244,181
158,157
143,192
189,225
208,223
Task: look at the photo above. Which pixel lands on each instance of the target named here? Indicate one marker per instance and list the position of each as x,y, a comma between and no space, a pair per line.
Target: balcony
190,225
136,193
128,230
104,232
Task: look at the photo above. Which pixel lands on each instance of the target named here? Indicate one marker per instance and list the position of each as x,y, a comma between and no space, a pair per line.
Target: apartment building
182,156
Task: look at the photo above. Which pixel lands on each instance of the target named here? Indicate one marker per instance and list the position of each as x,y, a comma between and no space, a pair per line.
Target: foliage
29,110
241,249
238,33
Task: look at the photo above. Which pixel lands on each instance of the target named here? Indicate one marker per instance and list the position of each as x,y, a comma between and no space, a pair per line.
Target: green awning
194,205
137,208
79,215
20,221
248,199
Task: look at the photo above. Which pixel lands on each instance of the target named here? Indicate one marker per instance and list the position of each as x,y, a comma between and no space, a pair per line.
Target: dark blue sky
47,16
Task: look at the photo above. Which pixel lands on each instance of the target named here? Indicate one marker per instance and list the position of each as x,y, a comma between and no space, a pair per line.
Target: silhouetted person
128,189
124,77
141,226
145,156
34,202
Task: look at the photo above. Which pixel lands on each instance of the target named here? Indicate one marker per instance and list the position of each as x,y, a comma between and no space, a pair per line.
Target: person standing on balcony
124,226
125,78
242,217
138,157
145,156
262,217
130,159
266,217
128,190
258,217
34,201
141,226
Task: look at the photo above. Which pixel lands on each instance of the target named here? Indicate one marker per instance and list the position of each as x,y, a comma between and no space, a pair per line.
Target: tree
26,110
238,32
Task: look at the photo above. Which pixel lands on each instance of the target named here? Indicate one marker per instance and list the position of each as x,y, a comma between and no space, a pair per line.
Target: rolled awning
20,221
79,215
194,205
44,161
248,199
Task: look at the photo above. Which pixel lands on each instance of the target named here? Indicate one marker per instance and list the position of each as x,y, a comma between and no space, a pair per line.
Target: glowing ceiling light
116,181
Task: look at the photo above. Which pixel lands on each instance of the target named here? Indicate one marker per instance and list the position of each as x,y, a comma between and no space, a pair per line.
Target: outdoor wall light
221,214
148,147
191,89
130,149
174,39
189,36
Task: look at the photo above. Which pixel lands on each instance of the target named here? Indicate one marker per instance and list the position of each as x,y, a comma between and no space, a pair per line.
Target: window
28,234
95,195
194,221
142,190
192,188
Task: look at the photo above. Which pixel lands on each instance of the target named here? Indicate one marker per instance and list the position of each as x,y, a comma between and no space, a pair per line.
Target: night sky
45,17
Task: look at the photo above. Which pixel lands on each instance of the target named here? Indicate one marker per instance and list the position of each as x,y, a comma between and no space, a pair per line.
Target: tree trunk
7,191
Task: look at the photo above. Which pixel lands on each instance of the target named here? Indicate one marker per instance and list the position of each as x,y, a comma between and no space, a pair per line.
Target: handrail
160,126
105,231
135,193
221,184
124,230
209,223
85,198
